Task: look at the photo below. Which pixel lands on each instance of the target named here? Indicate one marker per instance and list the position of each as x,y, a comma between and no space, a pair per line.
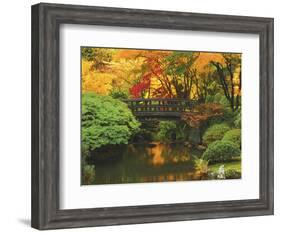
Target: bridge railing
159,105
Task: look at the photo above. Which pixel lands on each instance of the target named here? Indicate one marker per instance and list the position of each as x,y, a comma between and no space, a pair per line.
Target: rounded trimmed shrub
233,135
215,132
221,151
106,121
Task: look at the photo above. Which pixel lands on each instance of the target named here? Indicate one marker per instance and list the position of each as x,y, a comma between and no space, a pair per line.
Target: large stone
194,136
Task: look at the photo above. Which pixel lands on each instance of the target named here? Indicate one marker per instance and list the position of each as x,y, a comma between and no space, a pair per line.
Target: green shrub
233,135
221,99
221,151
167,131
170,131
237,120
209,99
201,165
230,116
88,174
215,132
232,174
224,102
106,121
217,97
118,94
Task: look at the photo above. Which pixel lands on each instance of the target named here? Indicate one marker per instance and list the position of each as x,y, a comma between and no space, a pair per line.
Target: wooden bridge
159,108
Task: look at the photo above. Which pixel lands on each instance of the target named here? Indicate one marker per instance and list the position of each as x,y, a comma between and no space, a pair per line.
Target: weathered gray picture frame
46,20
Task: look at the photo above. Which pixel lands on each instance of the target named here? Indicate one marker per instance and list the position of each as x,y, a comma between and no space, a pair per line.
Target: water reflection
154,162
167,153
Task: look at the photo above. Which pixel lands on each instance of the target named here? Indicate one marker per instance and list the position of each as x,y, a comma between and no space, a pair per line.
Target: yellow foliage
93,81
204,59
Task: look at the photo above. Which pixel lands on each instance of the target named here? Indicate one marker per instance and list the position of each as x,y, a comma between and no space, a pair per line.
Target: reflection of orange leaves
156,152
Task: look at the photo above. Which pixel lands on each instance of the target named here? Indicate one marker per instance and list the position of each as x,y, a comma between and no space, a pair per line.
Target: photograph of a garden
159,115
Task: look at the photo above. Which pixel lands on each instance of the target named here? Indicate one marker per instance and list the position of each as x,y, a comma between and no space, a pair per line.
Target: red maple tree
138,89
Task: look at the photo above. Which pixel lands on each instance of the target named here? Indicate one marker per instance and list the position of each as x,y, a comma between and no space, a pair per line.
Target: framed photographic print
149,116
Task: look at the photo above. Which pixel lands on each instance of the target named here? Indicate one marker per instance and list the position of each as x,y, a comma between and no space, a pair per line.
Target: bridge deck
159,108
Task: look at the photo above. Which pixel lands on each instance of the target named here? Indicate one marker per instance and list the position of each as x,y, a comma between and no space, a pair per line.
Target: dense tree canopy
229,73
164,74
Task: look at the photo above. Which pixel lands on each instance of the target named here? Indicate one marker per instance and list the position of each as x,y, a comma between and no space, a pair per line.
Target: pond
149,162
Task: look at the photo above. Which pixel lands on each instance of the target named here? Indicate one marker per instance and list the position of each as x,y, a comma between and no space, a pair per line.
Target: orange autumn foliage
201,113
204,59
154,74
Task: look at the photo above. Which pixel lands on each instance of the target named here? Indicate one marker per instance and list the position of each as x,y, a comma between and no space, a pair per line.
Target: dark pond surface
154,162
